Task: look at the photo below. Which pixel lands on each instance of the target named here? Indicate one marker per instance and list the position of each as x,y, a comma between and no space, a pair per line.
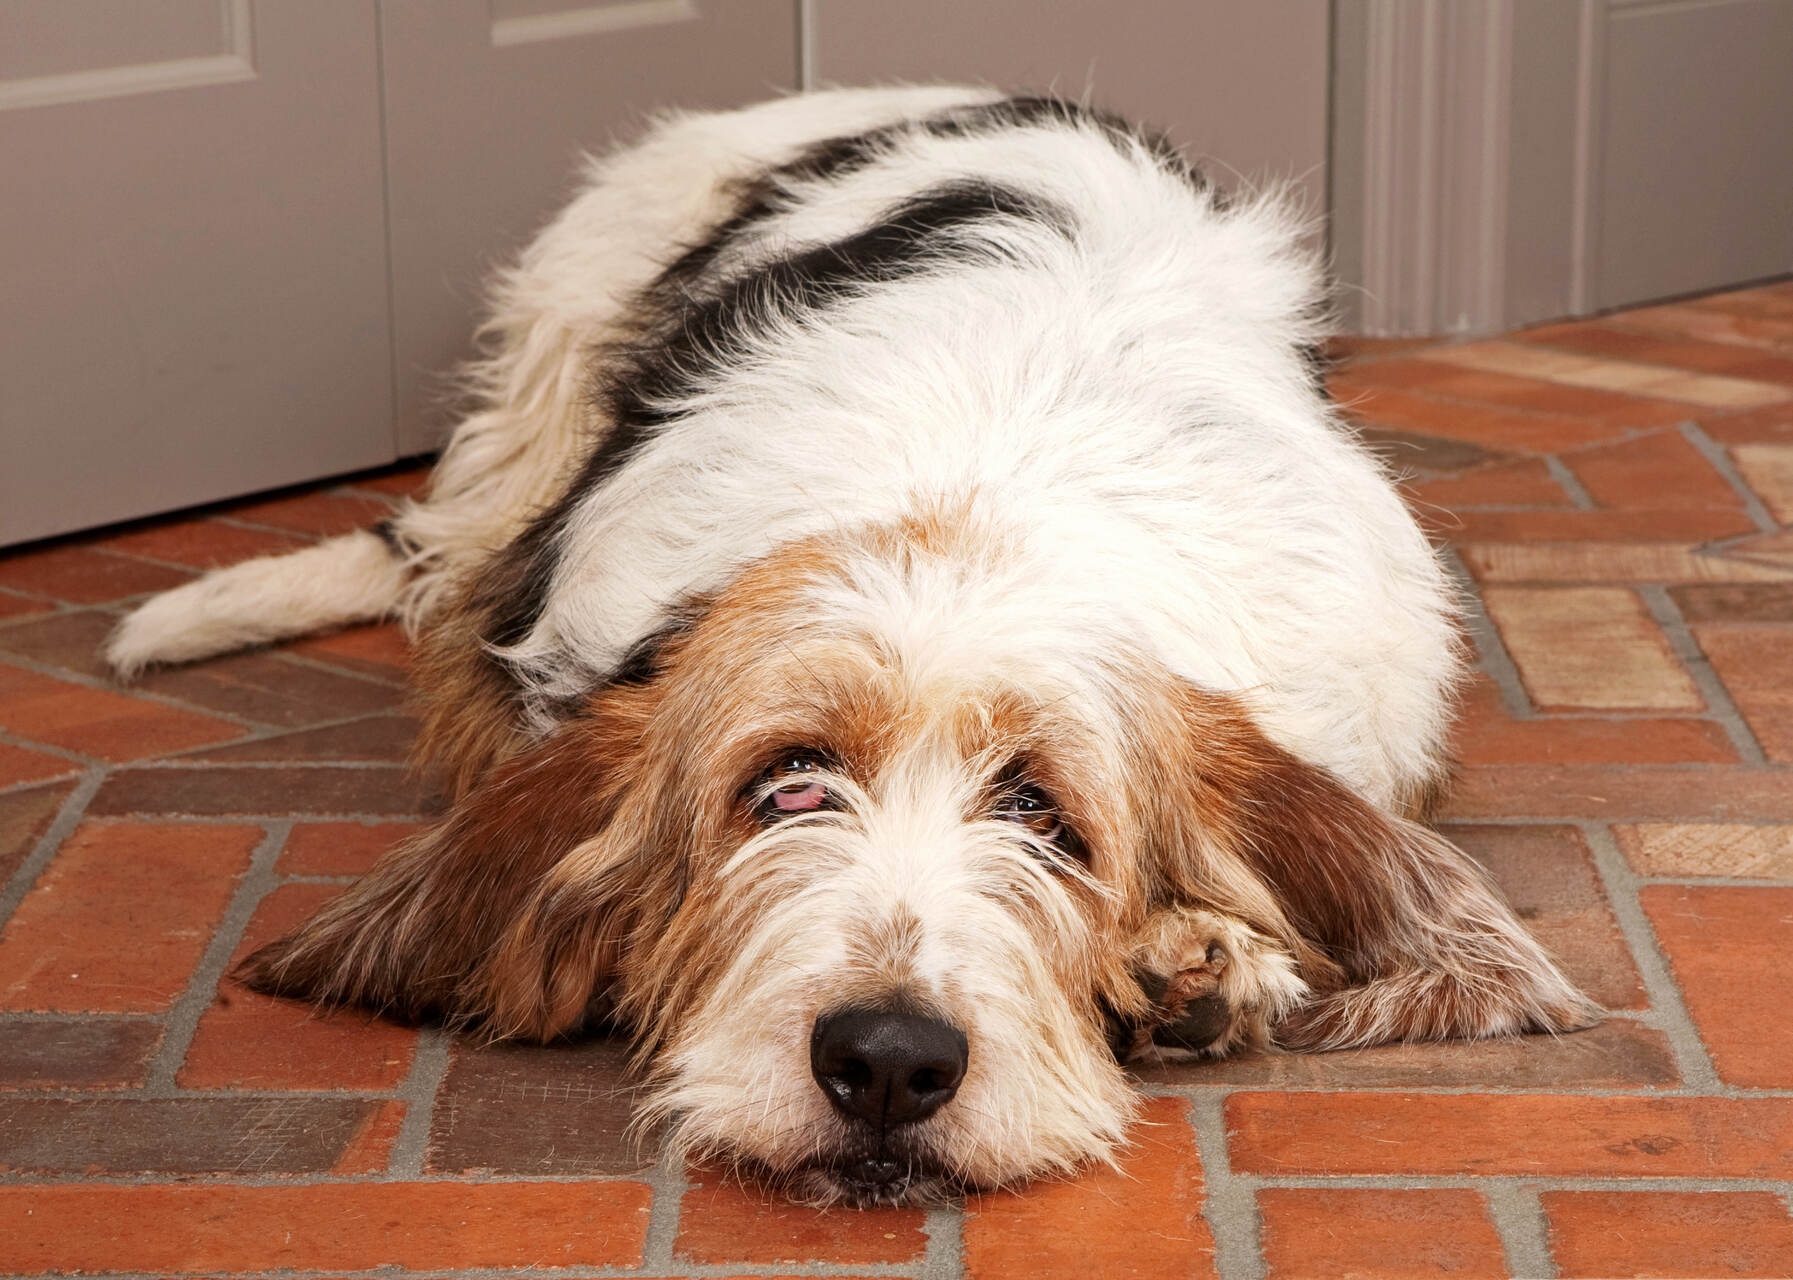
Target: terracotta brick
73,640
314,512
377,738
1526,483
1659,470
1769,550
1590,647
369,1149
1144,1221
1708,849
181,1230
542,1110
81,575
272,690
99,723
1769,602
1721,941
1770,425
1618,1053
1584,562
1576,370
1486,734
1406,451
120,917
18,766
725,1223
1636,793
13,606
380,651
340,848
1547,874
1668,1233
1768,469
251,1041
1530,1135
1535,395
227,790
201,544
1479,424
1704,323
1671,524
24,817
1378,1235
96,1053
1755,661
252,1136
1644,348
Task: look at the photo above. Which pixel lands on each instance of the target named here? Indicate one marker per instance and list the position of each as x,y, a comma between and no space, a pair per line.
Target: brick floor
1611,488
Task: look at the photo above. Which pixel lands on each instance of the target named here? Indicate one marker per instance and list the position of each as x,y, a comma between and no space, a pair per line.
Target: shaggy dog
905,632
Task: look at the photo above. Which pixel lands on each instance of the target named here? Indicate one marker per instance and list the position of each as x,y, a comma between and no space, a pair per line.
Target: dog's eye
798,790
1033,809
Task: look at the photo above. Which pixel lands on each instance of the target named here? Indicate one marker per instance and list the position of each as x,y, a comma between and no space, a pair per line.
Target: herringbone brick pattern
1614,492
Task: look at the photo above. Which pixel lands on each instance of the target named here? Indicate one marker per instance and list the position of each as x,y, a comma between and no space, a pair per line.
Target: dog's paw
1214,984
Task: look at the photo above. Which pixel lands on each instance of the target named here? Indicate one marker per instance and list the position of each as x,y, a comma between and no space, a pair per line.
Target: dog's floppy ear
1418,942
430,931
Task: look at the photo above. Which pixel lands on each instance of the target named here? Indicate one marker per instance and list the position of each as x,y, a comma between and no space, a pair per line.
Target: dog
904,632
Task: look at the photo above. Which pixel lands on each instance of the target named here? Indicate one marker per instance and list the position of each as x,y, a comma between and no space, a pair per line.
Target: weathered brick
121,916
369,1148
1721,941
385,739
181,1230
1768,469
556,1110
1752,852
97,722
1708,390
18,766
96,1053
1668,1233
380,651
1643,348
81,575
1659,470
1584,562
247,1040
1590,647
340,848
1351,1234
1772,424
1405,451
1526,483
1531,1135
200,544
1755,661
720,1221
1143,1222
24,817
1486,734
1765,602
1484,425
17,606
1691,793
243,1136
1636,524
227,790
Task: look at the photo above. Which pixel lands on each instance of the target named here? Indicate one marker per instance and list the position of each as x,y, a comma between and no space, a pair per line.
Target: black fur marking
401,547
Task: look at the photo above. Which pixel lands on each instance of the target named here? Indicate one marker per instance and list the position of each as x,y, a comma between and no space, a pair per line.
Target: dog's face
889,857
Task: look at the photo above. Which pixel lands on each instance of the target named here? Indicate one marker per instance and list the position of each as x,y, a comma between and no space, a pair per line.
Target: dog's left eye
1033,809
799,789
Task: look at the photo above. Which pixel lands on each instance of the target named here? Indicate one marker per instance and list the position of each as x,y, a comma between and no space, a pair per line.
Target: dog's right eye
798,787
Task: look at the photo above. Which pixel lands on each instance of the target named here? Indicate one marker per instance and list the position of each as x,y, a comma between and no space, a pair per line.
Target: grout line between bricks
669,1186
1571,483
1620,883
945,1258
1524,1235
1720,708
429,1064
74,805
70,676
1231,1203
1721,462
1490,650
183,1019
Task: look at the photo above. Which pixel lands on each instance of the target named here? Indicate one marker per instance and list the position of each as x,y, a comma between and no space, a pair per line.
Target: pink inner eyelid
795,797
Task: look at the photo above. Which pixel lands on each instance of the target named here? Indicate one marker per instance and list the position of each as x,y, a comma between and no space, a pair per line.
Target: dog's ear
1413,942
430,931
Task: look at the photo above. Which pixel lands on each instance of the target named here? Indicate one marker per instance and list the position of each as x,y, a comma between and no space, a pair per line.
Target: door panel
488,106
194,272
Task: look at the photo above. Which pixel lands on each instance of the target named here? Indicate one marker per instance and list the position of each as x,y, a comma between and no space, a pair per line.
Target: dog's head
890,855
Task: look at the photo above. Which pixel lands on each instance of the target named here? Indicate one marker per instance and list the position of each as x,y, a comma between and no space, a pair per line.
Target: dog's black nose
887,1068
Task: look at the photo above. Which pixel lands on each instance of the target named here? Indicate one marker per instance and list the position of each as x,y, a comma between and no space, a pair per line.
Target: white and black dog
905,631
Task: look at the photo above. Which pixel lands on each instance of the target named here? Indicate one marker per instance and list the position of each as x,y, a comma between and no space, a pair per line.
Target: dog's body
903,575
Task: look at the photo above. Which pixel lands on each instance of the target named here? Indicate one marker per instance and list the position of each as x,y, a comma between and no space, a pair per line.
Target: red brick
181,1230
1590,647
406,480
17,765
92,1053
1356,350
1404,451
1495,428
1755,661
1527,483
1699,357
268,688
315,513
12,606
1378,1235
251,1041
1722,940
97,722
1535,395
81,575
723,1222
1530,1135
1142,1222
1676,524
1771,424
1668,1233
121,916
340,848
382,739
370,1149
229,790
1757,560
379,650
1762,602
1641,793
1657,470
24,817
1705,323
1486,734
201,544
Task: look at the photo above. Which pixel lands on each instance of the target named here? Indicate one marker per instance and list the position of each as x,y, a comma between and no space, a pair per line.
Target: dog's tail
358,577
